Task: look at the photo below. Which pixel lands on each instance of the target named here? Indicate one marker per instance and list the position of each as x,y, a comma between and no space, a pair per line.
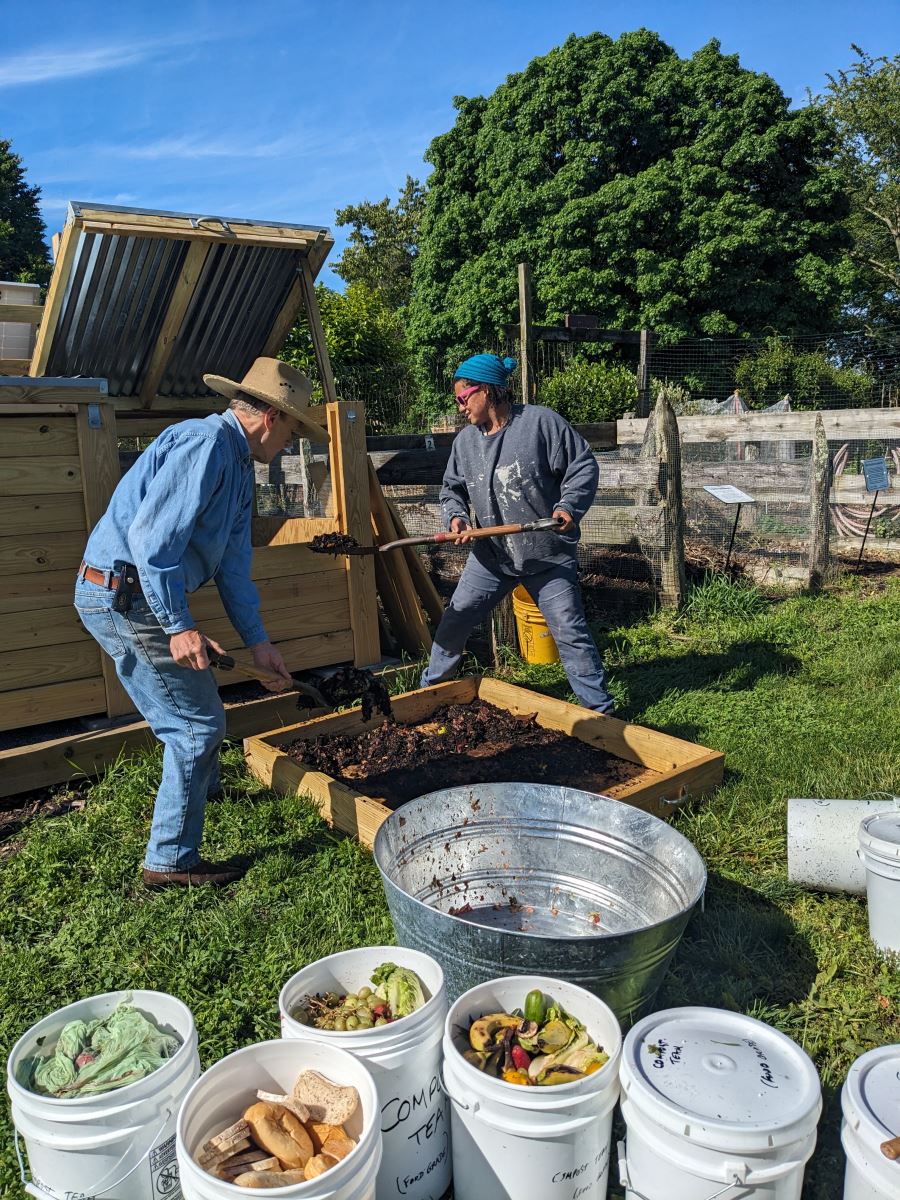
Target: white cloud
192,146
68,62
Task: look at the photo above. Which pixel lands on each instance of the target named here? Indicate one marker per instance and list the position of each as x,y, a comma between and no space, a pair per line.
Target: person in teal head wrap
516,463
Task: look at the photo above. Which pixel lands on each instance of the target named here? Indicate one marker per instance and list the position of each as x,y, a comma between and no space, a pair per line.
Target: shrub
586,391
808,377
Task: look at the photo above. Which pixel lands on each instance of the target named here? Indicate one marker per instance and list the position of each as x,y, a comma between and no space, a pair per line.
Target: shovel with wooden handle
225,662
432,539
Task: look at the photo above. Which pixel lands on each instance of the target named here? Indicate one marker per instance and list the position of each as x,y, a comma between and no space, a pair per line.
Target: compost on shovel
460,744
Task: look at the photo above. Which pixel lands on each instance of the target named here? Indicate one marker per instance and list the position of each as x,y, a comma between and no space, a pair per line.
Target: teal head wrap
486,368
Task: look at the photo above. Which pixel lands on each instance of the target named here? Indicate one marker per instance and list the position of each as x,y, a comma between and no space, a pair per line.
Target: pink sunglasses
467,392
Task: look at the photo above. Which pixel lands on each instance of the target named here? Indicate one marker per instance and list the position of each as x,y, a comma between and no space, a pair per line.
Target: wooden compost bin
674,770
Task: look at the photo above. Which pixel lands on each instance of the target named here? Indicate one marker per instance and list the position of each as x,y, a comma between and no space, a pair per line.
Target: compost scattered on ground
460,744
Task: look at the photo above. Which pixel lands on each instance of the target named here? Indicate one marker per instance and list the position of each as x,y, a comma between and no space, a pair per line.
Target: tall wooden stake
643,374
668,448
526,340
820,486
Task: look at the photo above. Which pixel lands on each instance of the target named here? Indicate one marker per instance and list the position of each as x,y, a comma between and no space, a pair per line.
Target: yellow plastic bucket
535,639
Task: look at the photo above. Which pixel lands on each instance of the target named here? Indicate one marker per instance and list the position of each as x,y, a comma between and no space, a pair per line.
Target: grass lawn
803,695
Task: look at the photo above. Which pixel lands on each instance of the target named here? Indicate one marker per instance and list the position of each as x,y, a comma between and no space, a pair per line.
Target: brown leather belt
92,575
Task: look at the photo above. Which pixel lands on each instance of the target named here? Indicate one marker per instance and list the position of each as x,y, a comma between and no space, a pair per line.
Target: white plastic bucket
879,845
870,1101
715,1104
822,846
229,1087
117,1146
404,1059
511,1141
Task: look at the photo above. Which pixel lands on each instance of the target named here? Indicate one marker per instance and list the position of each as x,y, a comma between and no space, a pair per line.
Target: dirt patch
459,745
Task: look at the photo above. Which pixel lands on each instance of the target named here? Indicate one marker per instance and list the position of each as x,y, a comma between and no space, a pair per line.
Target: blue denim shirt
182,516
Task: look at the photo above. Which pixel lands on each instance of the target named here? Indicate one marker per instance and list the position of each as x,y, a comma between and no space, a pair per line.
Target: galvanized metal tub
523,878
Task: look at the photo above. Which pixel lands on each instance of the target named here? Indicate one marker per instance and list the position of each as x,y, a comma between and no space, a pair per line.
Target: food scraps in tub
461,911
539,1046
284,1139
398,993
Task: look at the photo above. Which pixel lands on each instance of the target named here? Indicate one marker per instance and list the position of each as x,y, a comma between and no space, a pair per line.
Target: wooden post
350,480
317,332
62,270
98,452
395,583
820,486
643,373
668,448
526,342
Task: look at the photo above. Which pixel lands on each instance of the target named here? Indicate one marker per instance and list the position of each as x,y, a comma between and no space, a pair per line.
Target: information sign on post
876,474
729,495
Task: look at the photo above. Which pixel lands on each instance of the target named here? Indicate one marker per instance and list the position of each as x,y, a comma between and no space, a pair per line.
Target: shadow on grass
740,668
740,951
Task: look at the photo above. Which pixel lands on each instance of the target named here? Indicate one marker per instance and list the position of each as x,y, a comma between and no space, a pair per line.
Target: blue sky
286,111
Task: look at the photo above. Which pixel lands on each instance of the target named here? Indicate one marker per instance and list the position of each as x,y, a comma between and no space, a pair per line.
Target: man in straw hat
180,517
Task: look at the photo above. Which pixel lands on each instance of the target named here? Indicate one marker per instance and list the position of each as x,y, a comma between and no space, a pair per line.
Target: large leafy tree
677,194
864,104
382,244
23,251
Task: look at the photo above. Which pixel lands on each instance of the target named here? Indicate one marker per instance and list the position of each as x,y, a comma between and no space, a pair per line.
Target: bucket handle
23,1173
443,1086
629,1186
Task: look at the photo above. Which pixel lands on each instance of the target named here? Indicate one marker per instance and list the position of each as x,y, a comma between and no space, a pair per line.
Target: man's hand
460,526
189,649
566,524
269,659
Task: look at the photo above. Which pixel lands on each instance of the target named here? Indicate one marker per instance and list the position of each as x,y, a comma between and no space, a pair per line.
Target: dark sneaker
200,874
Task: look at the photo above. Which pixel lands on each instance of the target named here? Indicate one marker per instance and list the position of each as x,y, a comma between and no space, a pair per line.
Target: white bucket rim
672,1117
855,1109
118,1097
362,1147
398,1029
557,1095
881,849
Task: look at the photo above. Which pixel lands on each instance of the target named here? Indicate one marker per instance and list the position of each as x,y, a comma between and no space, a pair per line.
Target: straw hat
275,383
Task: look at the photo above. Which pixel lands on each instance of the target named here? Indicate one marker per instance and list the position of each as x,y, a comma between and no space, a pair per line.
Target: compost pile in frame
460,744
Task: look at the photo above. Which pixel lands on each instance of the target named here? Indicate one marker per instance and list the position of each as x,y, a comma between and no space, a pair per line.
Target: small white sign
728,494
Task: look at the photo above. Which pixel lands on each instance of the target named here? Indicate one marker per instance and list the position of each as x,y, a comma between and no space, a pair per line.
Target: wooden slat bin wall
50,669
58,468
674,770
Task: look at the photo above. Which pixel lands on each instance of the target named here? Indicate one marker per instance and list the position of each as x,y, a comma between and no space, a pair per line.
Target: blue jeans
181,706
558,596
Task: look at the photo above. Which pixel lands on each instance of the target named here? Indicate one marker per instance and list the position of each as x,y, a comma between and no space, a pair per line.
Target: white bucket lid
870,1099
879,836
721,1079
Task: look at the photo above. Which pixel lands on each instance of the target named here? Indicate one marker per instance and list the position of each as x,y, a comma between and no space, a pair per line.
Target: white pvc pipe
822,844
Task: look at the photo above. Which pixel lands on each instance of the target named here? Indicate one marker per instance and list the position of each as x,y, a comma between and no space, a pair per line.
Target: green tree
23,251
679,194
367,348
382,245
864,104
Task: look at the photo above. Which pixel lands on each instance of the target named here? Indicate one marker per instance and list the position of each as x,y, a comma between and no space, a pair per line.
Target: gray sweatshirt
533,465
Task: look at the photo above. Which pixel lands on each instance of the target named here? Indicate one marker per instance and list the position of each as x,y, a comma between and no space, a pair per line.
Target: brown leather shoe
201,874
